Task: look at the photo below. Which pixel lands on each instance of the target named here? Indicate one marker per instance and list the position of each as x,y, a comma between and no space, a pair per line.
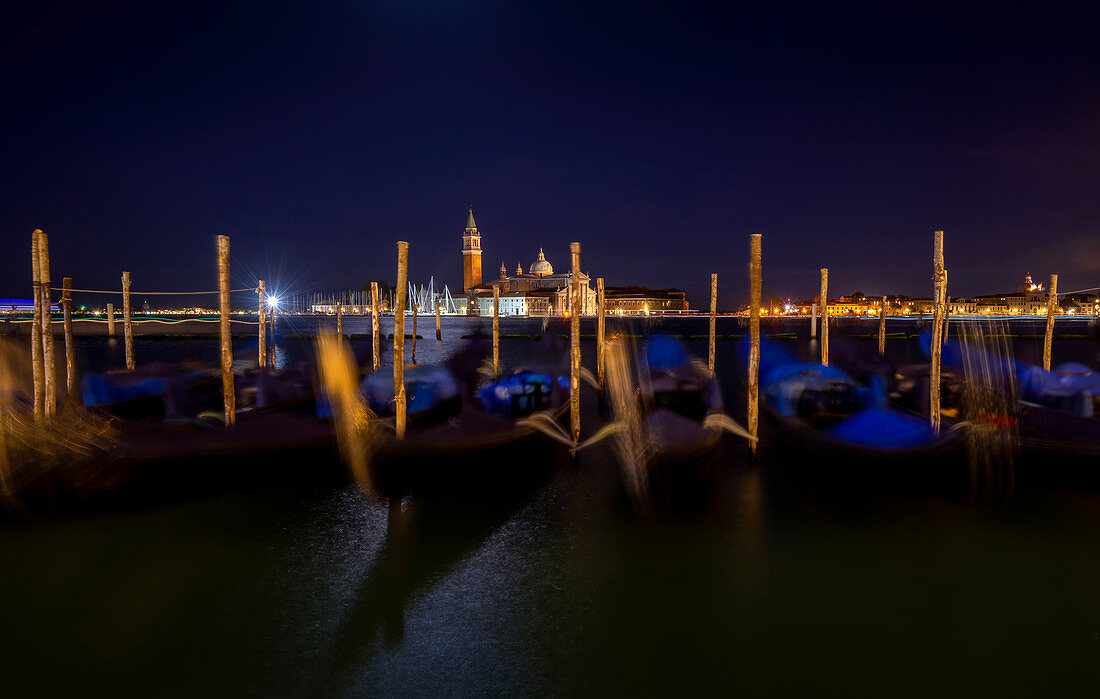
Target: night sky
318,134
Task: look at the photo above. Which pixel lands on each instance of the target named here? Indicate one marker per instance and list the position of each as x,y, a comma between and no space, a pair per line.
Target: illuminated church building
537,292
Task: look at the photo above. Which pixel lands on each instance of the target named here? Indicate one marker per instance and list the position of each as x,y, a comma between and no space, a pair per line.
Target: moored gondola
459,441
842,429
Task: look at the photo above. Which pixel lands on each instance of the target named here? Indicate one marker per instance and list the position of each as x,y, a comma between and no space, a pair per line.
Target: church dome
541,267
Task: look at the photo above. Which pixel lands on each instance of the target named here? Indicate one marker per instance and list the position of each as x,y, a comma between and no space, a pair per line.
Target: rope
1079,291
154,293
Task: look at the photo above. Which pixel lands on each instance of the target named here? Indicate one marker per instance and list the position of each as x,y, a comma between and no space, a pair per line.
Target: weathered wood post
813,320
755,286
49,364
946,316
261,290
110,320
38,368
882,328
438,324
713,315
416,314
601,335
70,349
375,326
496,331
399,337
229,392
575,344
939,277
127,323
339,318
824,301
1052,305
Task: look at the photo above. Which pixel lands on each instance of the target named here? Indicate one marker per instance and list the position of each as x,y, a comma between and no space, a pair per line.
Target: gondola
844,429
457,440
1052,413
668,436
677,394
170,430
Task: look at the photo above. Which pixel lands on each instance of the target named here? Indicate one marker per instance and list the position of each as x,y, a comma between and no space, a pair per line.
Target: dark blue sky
659,135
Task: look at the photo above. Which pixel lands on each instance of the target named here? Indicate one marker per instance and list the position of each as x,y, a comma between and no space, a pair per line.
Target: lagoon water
764,587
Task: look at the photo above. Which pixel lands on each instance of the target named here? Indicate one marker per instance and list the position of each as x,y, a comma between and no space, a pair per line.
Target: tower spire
470,224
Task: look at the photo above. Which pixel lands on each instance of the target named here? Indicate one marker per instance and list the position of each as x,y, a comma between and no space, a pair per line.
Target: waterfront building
640,300
1028,299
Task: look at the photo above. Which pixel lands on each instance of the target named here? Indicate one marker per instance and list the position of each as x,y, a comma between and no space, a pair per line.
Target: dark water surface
762,587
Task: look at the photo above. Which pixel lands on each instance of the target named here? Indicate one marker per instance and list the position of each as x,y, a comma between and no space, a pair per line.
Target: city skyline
658,137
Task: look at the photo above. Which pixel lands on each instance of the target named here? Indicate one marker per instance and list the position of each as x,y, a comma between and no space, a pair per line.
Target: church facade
540,291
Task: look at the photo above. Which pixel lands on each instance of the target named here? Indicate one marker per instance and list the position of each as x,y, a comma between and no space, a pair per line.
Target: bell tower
471,254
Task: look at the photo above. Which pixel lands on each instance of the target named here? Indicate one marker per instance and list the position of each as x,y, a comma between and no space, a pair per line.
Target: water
763,589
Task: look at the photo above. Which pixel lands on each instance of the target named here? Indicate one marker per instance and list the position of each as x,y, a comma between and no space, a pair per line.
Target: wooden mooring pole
110,320
575,344
755,286
438,324
70,349
496,331
813,320
882,328
399,337
38,369
49,364
601,335
1052,306
713,316
375,326
261,290
946,315
127,323
229,392
339,318
939,277
824,301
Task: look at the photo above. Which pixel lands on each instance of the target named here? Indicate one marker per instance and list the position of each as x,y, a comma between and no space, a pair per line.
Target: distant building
640,300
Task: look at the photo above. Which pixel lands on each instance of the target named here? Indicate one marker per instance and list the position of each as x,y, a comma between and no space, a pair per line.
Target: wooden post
939,276
127,324
70,350
399,337
882,328
755,286
601,337
713,315
813,320
438,324
339,318
496,331
375,325
824,301
50,366
229,392
946,314
416,314
110,320
261,290
1052,304
38,369
575,344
